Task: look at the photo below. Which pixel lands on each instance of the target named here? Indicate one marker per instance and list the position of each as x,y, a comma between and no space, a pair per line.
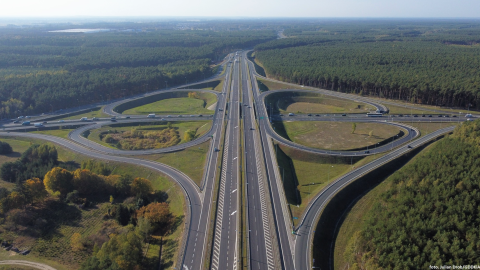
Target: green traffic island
305,102
338,136
177,102
154,135
427,206
266,85
71,212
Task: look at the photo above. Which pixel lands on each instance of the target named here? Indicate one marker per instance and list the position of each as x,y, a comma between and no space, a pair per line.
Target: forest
430,213
424,62
42,71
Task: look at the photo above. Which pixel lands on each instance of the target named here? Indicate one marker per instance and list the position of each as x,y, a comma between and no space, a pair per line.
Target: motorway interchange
242,157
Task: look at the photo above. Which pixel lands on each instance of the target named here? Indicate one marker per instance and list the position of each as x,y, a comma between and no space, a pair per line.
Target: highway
225,252
261,252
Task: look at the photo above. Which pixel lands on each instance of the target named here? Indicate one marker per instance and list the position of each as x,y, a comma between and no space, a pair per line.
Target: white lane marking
233,213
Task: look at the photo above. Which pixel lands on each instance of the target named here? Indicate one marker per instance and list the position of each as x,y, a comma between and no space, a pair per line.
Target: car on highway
469,119
152,115
446,115
163,119
423,115
252,128
415,115
45,122
127,117
429,115
367,152
344,114
113,118
26,123
84,119
27,116
291,114
216,149
94,119
61,121
38,124
192,115
16,122
309,114
200,115
20,117
400,115
439,115
180,115
409,146
468,115
281,114
317,114
169,116
454,116
220,109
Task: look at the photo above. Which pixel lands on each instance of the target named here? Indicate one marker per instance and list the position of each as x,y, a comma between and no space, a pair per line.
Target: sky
243,8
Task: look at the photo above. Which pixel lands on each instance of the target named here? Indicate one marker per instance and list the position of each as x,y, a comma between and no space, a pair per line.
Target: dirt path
27,263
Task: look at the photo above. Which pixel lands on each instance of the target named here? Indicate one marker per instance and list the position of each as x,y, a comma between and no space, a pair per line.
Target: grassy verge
63,133
304,175
54,248
335,135
213,85
190,161
201,126
266,85
179,105
354,219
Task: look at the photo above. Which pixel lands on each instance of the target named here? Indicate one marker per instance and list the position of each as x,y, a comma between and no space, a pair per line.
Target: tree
72,196
158,214
143,228
76,242
354,126
60,180
87,182
141,187
111,199
35,190
5,148
189,135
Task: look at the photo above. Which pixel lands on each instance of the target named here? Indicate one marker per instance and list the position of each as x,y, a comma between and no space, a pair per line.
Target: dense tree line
419,63
35,162
430,213
43,71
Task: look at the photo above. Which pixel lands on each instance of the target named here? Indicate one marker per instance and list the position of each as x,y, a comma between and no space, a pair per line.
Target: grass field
305,175
190,161
403,110
201,126
54,249
183,105
334,135
354,219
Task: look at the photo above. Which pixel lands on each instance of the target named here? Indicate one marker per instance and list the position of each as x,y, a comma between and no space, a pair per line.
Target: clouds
236,8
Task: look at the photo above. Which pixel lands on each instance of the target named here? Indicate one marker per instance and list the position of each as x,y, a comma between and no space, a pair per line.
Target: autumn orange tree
60,180
87,182
158,214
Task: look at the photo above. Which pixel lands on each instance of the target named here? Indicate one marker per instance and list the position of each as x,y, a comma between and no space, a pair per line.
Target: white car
61,121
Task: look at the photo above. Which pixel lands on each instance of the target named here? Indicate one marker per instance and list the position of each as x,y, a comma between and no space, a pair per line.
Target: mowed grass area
355,217
201,126
429,127
191,161
183,105
419,107
316,103
335,135
266,85
54,248
305,175
63,133
213,85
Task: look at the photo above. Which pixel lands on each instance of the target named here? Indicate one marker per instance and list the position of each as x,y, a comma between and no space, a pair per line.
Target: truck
468,115
38,124
152,115
26,123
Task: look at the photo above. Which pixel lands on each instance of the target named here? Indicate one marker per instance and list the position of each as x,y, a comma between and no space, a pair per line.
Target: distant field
63,133
334,135
182,105
426,128
201,126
